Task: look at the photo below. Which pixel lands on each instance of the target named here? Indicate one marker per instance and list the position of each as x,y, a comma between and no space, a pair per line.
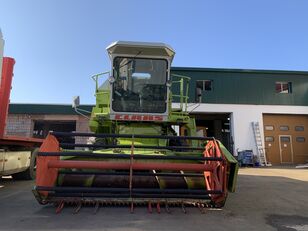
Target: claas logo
139,117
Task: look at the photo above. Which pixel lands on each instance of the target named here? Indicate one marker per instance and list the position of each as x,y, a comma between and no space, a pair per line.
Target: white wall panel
241,117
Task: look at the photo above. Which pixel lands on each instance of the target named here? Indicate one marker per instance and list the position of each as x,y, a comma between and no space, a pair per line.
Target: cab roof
140,49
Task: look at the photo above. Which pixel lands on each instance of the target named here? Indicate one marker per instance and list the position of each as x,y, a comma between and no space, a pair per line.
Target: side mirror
76,102
111,79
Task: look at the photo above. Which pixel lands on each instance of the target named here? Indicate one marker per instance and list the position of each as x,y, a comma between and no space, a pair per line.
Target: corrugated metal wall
248,87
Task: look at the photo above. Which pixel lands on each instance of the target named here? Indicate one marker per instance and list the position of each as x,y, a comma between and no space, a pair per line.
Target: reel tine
132,207
201,208
183,207
158,207
78,207
96,208
60,207
167,207
150,207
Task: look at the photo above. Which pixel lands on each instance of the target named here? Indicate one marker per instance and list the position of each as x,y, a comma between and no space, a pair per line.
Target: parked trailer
17,154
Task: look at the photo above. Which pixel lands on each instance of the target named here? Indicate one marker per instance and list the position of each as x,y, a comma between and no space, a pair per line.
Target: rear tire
30,173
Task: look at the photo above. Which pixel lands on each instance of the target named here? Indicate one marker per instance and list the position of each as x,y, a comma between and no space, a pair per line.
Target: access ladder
259,143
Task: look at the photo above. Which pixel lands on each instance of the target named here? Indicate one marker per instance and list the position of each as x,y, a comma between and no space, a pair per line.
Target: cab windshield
140,85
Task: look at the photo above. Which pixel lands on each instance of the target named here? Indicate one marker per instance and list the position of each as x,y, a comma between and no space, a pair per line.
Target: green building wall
235,86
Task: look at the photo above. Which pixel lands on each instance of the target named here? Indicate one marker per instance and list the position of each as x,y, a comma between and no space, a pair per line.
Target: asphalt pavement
266,199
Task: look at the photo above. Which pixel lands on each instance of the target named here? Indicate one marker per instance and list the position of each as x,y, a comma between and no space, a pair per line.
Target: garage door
285,138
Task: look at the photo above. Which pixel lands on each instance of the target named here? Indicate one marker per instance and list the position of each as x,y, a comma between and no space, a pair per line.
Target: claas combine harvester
133,155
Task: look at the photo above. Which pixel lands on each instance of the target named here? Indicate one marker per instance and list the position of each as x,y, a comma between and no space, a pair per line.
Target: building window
269,139
300,139
283,87
269,127
285,139
299,128
284,128
204,85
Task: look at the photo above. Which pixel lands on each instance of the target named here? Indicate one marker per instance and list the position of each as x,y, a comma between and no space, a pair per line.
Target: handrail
97,76
181,76
183,92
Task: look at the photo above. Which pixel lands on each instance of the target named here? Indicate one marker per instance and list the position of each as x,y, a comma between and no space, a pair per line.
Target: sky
59,44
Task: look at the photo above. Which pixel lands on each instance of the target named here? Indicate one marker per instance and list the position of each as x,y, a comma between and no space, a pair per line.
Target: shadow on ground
260,203
288,223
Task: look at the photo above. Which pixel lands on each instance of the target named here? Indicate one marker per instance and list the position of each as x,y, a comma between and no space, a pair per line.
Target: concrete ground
266,199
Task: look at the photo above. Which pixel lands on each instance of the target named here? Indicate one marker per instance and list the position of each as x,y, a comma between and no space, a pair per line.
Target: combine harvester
135,156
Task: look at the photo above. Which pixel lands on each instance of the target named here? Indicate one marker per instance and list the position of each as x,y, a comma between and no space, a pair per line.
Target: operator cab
140,80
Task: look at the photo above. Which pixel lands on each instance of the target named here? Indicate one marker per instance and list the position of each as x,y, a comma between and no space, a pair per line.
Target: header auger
135,155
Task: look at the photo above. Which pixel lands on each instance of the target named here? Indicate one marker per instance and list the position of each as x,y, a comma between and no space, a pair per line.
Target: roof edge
49,104
238,70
